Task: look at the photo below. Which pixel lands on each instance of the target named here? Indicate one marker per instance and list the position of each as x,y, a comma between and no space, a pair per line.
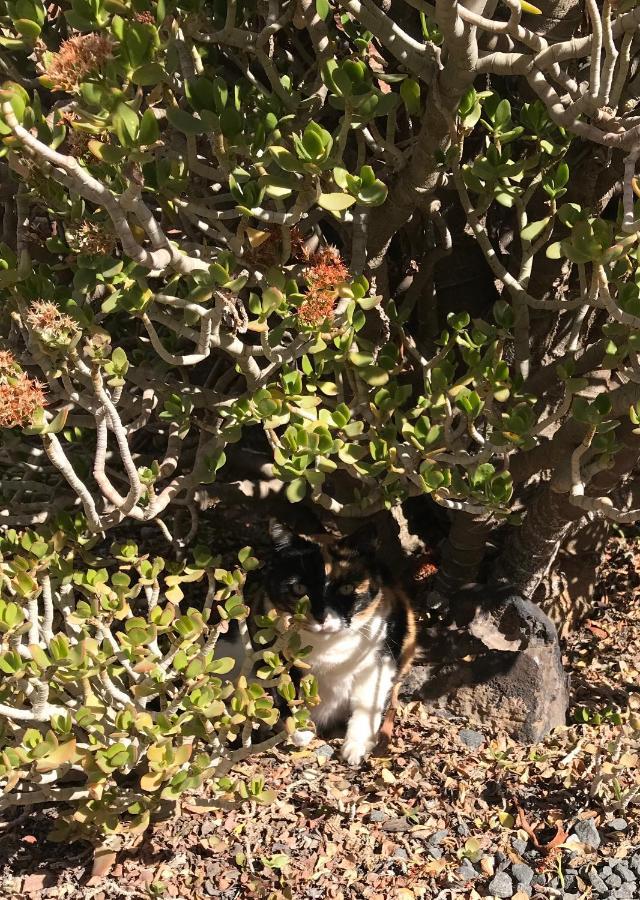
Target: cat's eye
298,589
345,590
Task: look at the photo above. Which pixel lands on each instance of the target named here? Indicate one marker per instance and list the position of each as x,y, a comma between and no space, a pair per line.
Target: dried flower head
91,237
45,318
265,244
20,395
145,17
77,58
316,307
326,269
8,362
299,251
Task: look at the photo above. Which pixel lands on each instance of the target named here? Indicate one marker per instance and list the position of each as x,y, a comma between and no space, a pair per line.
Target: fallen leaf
103,862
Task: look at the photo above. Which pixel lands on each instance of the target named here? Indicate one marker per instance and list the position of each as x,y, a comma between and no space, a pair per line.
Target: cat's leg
371,689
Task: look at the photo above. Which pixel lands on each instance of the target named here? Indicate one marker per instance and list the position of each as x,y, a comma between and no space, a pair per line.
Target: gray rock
400,853
524,889
325,750
501,885
605,871
466,871
472,739
635,863
618,825
377,815
434,852
519,846
502,861
569,881
522,873
598,884
627,892
515,681
614,881
624,872
438,837
587,833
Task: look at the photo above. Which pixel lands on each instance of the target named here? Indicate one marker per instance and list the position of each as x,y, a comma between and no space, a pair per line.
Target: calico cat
361,629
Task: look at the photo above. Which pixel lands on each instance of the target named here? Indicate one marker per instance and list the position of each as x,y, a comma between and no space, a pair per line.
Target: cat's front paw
302,738
353,752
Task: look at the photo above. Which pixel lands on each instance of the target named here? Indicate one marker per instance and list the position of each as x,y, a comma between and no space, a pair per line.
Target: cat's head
342,578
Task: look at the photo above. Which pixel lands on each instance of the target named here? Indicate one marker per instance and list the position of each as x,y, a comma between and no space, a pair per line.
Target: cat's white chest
340,660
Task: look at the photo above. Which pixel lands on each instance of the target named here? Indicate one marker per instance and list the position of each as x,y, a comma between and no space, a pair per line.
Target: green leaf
148,74
126,124
322,8
336,202
531,231
410,93
296,490
183,121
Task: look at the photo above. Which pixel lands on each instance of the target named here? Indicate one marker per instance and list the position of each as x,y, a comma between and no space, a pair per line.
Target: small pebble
598,884
523,873
635,863
400,853
588,833
519,846
614,881
618,825
377,815
466,871
437,838
569,882
502,861
501,885
434,852
626,892
325,750
624,872
605,871
472,739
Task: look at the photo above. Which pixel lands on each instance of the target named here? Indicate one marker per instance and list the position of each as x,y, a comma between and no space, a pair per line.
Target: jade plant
116,694
399,240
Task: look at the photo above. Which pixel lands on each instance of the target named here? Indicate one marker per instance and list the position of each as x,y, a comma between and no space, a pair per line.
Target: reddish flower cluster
326,271
77,58
20,395
316,307
44,316
146,18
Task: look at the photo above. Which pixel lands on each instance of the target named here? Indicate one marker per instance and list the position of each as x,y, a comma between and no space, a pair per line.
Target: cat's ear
365,540
281,536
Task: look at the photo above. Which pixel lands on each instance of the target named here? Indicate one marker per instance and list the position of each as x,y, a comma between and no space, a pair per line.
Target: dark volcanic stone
515,681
